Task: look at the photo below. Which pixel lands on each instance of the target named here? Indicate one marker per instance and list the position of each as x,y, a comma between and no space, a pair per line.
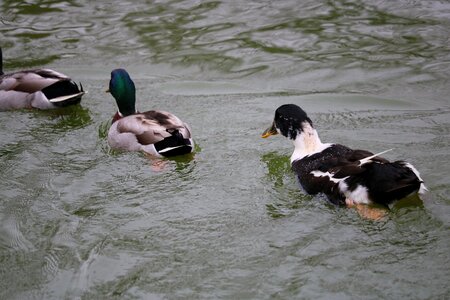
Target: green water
78,220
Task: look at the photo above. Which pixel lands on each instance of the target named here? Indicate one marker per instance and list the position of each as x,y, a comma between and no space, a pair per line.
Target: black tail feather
63,88
176,141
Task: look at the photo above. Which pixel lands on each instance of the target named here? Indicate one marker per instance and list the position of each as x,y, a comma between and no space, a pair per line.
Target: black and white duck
344,175
154,132
37,88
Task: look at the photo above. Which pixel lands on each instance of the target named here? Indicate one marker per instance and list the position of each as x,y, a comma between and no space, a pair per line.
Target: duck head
290,120
293,122
123,90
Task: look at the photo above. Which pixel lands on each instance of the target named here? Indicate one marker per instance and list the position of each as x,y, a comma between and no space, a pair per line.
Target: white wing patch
329,175
359,195
369,159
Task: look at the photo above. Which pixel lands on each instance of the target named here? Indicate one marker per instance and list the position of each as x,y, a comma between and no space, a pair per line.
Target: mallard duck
38,88
344,175
157,133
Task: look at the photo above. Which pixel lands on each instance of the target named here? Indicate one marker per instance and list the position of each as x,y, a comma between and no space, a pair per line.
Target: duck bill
269,131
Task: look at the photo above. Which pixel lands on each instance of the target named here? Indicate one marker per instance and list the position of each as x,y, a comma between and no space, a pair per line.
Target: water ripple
80,220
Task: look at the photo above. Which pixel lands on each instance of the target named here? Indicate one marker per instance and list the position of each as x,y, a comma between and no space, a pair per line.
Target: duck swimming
344,175
157,133
38,88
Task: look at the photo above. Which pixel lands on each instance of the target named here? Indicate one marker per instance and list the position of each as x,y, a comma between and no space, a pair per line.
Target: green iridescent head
123,90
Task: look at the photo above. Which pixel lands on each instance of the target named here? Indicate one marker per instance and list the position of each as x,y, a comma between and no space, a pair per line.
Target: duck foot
367,211
349,202
157,164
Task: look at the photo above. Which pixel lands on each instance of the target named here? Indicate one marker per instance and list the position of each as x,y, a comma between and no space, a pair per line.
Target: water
78,220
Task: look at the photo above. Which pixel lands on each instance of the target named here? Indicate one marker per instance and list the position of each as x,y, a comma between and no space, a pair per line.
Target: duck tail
422,189
64,93
174,145
81,89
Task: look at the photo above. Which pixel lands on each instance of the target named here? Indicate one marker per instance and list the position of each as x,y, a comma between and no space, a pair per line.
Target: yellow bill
269,131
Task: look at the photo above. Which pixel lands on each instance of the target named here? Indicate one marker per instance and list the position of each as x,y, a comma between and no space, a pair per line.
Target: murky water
80,221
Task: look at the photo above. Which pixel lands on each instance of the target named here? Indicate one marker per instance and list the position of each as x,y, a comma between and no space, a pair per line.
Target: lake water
78,220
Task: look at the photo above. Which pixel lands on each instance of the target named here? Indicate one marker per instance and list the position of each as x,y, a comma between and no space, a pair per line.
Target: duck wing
354,163
152,126
31,81
59,90
366,177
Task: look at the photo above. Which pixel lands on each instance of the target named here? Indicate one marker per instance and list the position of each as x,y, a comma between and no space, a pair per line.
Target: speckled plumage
38,88
338,171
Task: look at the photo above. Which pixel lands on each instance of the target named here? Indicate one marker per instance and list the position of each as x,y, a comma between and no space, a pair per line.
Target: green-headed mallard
38,88
344,175
158,133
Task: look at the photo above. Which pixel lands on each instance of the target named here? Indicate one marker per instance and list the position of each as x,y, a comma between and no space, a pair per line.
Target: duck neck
117,116
126,104
306,143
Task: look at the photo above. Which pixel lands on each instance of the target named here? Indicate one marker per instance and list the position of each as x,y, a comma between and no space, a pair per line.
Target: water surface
78,220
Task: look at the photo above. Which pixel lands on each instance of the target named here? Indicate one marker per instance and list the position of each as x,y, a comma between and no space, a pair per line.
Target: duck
156,133
37,88
346,176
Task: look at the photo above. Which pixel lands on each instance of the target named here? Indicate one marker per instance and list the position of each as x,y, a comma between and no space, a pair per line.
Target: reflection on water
68,118
277,167
283,184
78,220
